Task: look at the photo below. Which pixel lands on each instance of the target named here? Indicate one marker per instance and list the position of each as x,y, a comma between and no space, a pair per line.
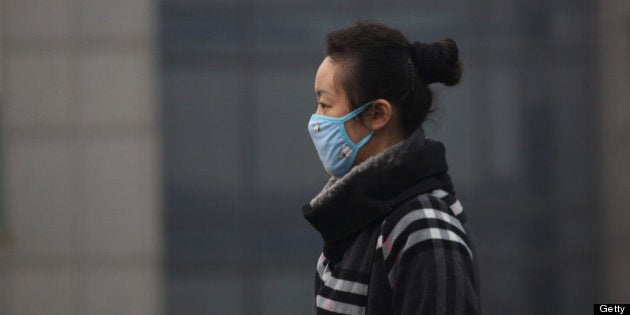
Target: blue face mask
335,148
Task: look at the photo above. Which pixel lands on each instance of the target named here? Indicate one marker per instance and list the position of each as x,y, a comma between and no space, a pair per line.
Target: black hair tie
412,76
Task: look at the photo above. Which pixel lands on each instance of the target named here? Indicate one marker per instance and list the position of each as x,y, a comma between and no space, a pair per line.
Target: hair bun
437,62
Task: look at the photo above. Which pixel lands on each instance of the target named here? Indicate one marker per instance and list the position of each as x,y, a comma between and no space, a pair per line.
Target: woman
394,233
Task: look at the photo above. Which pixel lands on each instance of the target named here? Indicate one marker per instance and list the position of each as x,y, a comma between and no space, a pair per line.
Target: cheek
338,110
355,130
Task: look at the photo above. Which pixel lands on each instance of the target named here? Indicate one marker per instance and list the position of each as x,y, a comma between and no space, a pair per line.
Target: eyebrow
321,91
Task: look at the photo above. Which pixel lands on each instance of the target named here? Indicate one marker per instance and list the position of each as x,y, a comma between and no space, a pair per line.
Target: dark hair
379,62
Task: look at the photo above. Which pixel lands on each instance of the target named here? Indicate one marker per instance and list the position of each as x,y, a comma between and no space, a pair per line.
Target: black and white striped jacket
412,257
418,260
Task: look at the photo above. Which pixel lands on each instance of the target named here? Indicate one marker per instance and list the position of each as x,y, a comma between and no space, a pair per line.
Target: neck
377,144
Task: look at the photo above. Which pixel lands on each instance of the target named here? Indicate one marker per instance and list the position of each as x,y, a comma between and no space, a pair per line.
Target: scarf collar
371,189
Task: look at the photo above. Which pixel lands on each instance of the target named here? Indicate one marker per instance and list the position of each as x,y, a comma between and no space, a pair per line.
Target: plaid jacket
417,260
395,237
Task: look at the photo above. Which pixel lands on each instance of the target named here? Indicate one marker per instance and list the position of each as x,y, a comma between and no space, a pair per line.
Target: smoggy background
155,155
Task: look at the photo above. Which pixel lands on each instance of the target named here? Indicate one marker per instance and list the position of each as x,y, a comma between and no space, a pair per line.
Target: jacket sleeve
429,264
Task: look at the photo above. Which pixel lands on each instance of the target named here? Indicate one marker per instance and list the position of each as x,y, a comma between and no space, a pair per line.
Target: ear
379,115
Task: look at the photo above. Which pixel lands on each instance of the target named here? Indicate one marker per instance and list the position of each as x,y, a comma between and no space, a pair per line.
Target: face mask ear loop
356,113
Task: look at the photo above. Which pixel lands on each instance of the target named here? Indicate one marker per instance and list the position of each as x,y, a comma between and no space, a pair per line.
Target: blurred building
81,208
155,154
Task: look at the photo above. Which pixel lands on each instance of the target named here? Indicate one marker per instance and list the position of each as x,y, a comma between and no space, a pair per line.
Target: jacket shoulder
435,216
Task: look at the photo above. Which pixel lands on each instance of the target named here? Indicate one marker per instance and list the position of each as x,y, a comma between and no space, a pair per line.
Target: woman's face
332,101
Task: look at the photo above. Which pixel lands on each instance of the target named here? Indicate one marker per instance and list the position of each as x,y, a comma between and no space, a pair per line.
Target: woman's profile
395,234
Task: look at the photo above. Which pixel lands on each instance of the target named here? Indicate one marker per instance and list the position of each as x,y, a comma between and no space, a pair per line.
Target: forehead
325,77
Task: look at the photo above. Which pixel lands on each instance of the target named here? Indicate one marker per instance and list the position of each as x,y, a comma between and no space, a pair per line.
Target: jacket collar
370,190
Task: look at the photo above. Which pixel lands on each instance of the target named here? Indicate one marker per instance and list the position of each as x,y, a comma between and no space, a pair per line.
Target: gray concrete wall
80,158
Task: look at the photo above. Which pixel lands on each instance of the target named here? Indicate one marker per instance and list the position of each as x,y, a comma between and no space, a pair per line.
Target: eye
323,106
